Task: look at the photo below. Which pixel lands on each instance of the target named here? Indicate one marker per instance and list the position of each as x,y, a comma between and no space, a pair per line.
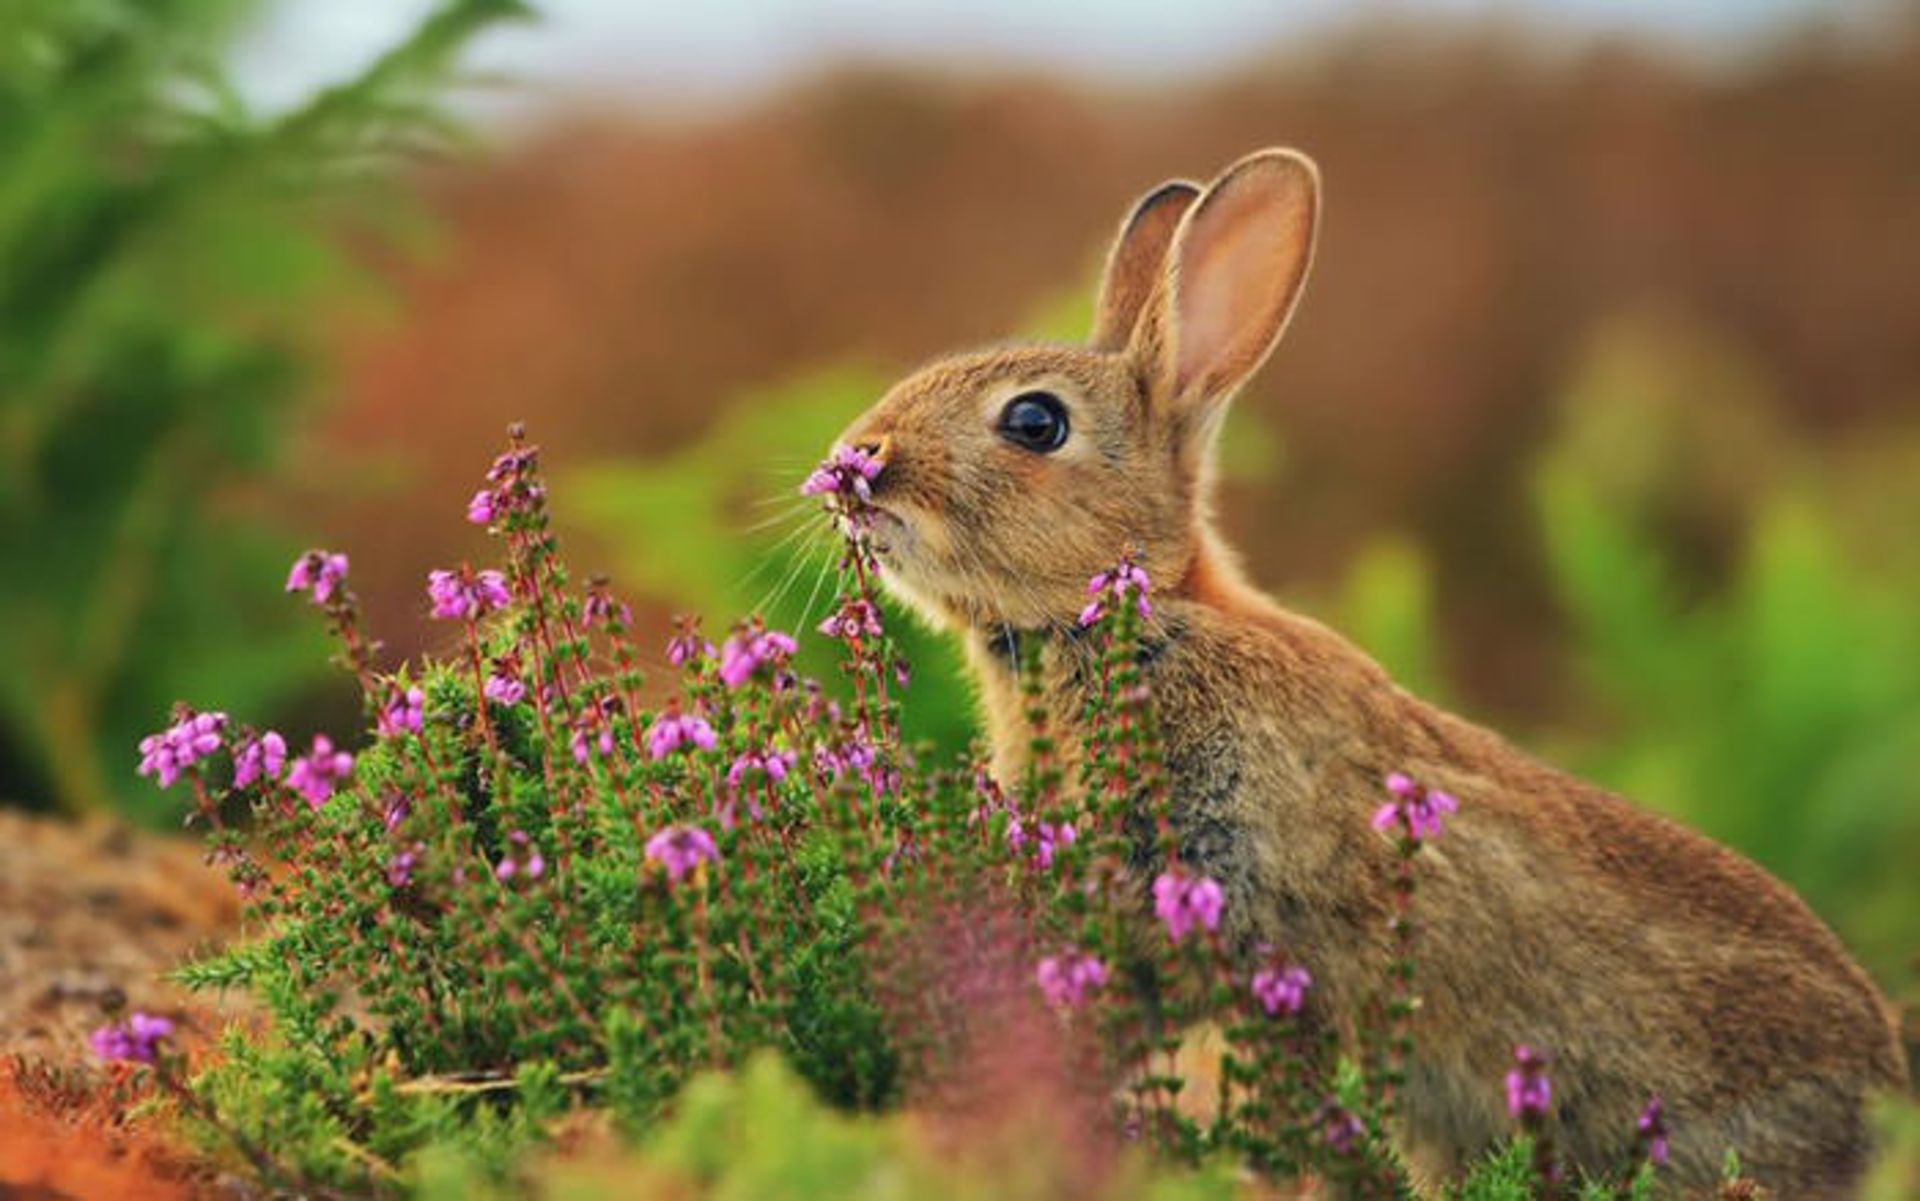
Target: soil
92,914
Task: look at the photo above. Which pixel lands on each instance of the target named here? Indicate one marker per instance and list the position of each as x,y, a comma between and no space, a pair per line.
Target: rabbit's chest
1230,779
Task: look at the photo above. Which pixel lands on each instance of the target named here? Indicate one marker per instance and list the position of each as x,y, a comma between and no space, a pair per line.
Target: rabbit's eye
1035,421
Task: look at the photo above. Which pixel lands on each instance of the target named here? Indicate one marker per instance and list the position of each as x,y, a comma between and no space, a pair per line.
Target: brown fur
1647,958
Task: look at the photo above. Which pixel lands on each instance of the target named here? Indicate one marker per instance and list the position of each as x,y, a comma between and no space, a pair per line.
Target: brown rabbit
1646,958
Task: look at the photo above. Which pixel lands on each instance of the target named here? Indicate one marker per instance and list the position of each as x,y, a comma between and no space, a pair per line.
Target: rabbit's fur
1646,958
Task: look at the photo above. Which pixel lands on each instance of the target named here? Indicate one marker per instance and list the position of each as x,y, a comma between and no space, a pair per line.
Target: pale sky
707,50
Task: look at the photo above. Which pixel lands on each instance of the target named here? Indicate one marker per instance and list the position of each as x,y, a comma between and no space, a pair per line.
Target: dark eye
1035,421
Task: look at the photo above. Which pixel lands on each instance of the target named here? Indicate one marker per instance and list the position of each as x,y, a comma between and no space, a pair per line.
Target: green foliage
1776,707
1896,1176
1387,606
761,1134
162,250
1771,700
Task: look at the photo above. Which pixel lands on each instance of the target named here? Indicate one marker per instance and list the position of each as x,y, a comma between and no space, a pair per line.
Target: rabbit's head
1012,475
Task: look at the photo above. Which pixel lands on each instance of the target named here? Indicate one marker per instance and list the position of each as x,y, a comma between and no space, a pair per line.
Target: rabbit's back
1646,957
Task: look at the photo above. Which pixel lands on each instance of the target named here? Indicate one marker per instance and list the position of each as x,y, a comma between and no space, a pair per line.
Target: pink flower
523,859
687,646
168,754
1651,1126
1340,1127
405,713
1529,1091
847,473
856,618
1067,980
320,573
602,609
680,849
1183,902
260,759
672,730
467,595
1126,579
1046,837
315,773
512,487
1421,812
400,867
510,465
1282,990
773,764
749,650
136,1040
504,688
586,741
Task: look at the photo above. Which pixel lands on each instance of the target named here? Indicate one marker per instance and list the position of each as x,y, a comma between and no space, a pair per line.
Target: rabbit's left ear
1236,267
1137,262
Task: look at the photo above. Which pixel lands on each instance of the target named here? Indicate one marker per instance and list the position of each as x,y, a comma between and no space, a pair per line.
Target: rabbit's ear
1235,270
1137,262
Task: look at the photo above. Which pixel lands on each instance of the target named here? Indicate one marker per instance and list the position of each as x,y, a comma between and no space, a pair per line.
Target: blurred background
1600,422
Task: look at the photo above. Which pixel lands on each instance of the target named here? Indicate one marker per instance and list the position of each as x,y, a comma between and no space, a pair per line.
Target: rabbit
1648,959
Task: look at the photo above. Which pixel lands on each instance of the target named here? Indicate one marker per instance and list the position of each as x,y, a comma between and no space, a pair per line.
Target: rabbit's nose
878,447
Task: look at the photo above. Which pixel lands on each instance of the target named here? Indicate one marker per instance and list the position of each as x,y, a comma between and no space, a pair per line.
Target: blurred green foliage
1773,702
761,1134
163,252
1770,697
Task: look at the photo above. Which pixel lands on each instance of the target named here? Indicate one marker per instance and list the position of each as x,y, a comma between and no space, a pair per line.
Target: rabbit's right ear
1137,262
1235,269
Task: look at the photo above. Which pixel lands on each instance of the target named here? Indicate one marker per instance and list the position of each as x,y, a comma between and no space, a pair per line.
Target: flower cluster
847,473
1183,902
400,867
260,758
1529,1089
1068,979
135,1040
1046,838
687,646
504,686
748,651
1651,1129
405,713
681,849
523,858
1340,1128
167,755
315,774
467,595
1282,990
319,573
855,619
593,732
774,765
1126,580
511,488
1419,812
673,730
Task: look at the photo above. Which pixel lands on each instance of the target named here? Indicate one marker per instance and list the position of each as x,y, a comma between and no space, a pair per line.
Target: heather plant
529,893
